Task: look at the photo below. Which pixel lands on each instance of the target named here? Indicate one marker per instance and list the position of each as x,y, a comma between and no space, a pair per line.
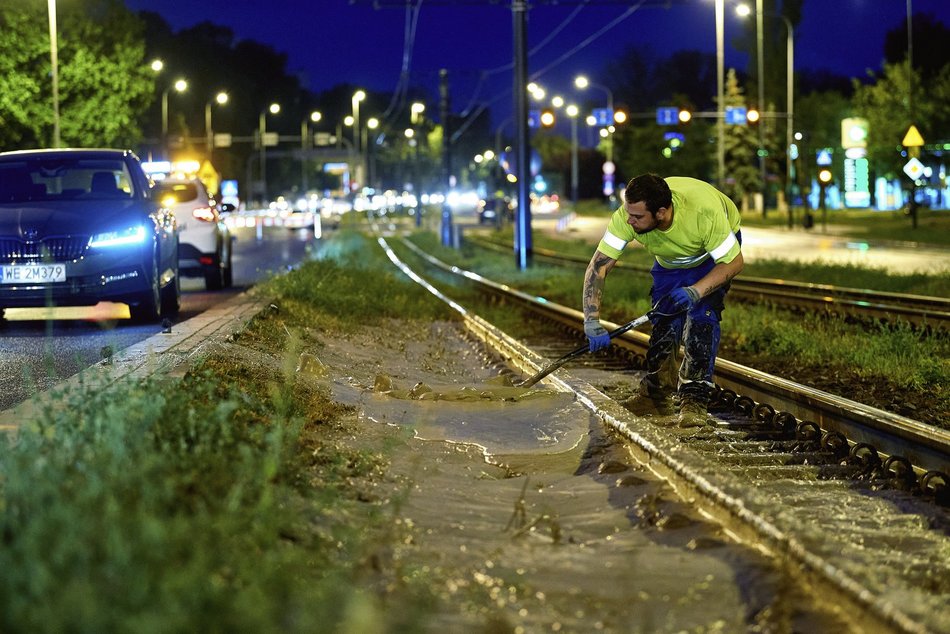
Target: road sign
912,138
271,139
914,168
323,138
823,156
668,116
603,116
736,115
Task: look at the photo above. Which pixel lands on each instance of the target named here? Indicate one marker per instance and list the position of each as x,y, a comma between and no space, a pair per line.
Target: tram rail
902,447
760,477
919,310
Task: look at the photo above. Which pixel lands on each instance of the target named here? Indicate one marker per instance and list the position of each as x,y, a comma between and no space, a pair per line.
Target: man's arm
594,279
719,276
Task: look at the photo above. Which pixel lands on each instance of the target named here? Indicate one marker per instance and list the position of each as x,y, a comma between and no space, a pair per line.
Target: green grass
229,500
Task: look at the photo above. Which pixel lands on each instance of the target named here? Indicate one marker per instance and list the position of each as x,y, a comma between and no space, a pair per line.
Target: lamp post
371,124
221,98
180,85
274,108
720,94
572,112
54,69
306,144
358,96
744,10
582,83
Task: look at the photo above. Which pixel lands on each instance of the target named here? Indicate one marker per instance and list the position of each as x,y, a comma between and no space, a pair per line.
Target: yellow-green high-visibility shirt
705,223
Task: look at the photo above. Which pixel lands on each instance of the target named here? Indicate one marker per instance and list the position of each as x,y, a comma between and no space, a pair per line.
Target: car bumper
87,282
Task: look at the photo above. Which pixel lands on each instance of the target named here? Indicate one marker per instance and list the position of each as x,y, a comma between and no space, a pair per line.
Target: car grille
58,249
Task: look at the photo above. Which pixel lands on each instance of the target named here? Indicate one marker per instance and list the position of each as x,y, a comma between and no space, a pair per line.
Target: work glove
679,300
597,335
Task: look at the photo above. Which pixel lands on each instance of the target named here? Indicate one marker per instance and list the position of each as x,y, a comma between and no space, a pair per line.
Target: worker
692,230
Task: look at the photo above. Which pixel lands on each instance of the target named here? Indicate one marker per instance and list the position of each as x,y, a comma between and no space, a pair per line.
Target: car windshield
180,192
63,178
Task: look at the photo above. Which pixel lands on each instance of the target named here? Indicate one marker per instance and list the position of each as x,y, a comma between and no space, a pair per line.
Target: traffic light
824,176
685,116
752,116
547,118
620,116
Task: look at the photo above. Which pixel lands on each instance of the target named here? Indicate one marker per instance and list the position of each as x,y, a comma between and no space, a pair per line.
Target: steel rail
919,310
745,514
927,448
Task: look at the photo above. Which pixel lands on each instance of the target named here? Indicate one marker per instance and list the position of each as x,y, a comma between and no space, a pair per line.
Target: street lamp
274,108
54,69
720,93
582,83
305,144
371,124
221,98
180,85
744,10
358,96
572,111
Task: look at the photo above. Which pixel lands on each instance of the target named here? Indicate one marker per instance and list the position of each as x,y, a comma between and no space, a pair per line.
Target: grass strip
229,500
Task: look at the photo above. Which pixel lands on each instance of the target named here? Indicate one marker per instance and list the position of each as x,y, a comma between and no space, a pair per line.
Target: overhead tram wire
576,49
398,101
510,65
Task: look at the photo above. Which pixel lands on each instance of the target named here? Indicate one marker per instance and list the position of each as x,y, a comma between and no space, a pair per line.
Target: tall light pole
358,96
54,70
582,82
744,10
221,98
572,112
306,142
720,94
274,108
180,85
371,124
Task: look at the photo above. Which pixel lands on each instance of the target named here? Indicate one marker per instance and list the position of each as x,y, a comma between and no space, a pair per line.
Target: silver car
81,226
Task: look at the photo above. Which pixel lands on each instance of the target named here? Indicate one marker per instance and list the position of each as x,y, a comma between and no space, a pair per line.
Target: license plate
33,273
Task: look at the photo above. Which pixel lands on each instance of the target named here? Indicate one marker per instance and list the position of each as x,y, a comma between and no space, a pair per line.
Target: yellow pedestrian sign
912,138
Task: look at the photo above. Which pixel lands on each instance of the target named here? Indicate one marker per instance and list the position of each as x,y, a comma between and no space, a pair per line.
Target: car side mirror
227,207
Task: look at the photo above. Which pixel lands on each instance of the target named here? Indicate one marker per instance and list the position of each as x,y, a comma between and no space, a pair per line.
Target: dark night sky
335,41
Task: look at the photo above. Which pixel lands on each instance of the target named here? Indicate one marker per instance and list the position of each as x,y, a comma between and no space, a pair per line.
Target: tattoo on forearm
594,285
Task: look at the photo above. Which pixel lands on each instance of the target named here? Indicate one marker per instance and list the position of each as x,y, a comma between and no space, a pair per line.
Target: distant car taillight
205,214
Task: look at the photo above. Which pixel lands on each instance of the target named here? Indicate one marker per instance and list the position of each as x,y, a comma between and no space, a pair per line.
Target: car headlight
125,237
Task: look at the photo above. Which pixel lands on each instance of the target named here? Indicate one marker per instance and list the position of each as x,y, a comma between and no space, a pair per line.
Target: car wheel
146,309
227,273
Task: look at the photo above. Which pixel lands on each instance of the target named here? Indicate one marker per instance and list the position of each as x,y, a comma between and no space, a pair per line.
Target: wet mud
526,514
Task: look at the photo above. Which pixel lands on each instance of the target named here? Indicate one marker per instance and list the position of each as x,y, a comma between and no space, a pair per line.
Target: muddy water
527,516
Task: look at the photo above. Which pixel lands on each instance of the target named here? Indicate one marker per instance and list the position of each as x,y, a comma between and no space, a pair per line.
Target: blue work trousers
697,330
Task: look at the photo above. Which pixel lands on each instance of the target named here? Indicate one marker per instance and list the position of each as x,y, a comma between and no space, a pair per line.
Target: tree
740,146
884,104
104,83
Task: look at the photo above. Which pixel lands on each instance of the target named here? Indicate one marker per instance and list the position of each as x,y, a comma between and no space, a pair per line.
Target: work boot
692,414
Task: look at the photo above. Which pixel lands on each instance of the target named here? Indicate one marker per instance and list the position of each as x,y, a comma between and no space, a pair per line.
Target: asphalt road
41,347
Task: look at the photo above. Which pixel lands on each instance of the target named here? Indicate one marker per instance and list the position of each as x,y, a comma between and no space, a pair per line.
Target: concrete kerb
167,353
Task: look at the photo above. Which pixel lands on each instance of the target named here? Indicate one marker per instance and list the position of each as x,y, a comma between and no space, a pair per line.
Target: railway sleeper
861,461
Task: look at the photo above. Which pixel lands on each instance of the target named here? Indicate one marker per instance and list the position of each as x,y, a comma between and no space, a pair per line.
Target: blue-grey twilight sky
330,42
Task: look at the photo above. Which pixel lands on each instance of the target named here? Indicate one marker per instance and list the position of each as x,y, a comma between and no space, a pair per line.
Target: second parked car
205,248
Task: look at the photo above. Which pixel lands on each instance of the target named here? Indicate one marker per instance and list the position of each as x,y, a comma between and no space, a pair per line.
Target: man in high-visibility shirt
692,230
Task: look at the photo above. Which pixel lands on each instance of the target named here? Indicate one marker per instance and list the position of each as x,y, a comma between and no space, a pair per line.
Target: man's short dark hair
651,190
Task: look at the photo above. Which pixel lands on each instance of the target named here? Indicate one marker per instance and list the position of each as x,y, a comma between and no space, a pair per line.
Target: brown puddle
528,516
